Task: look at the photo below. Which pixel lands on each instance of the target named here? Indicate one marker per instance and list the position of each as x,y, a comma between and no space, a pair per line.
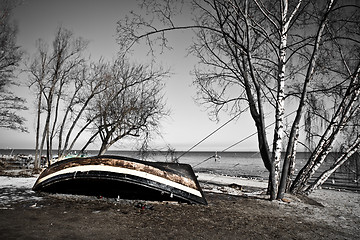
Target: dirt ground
248,215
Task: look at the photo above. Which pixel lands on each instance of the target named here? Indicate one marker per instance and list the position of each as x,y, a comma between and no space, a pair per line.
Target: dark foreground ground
44,216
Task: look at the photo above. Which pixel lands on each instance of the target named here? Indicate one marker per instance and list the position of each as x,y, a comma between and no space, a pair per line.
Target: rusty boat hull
122,177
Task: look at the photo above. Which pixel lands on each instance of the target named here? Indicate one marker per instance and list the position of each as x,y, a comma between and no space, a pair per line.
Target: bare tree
86,85
130,106
346,111
336,85
259,54
10,57
75,95
50,73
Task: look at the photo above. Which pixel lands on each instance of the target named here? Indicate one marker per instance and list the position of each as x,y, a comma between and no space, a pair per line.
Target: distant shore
245,164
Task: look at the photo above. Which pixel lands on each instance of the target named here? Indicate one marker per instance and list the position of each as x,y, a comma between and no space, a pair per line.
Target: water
241,164
246,164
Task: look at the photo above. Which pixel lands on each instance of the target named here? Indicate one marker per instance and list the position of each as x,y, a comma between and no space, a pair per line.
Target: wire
242,140
212,133
203,161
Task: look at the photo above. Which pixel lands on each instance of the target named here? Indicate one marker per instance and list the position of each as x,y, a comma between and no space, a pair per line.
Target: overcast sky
95,20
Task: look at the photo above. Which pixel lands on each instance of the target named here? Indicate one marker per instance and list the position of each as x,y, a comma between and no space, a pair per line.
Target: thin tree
50,72
10,57
346,110
86,85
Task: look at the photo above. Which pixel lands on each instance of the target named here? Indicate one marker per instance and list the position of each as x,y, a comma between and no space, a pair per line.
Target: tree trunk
104,149
341,116
341,160
292,163
317,157
254,97
104,145
73,125
53,128
64,121
280,106
288,165
37,162
47,129
291,148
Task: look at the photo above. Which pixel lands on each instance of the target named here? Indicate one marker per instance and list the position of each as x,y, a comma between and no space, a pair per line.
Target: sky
95,20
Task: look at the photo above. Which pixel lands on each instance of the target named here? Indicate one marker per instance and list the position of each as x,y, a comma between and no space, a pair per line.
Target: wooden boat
123,177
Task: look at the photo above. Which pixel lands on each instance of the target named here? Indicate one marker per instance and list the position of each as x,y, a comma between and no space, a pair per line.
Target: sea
239,164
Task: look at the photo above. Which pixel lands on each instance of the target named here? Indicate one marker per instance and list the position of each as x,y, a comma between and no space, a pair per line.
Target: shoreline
236,207
248,169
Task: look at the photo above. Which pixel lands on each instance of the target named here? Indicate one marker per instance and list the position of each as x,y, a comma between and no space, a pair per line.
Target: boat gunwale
126,178
184,175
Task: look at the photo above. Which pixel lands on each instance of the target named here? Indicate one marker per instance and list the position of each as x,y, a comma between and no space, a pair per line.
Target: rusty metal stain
123,164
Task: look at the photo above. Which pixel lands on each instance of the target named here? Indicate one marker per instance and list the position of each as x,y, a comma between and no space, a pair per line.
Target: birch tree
336,78
262,55
345,112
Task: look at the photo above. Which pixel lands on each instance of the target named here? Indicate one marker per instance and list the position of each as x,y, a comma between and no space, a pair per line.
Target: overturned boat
122,177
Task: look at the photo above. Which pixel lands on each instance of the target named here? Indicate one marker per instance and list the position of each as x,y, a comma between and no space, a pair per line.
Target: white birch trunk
341,160
280,105
337,123
304,173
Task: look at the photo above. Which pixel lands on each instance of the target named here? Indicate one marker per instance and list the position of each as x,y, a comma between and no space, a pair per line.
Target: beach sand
237,209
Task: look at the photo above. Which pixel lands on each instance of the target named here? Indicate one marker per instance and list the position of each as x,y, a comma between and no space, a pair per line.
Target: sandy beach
237,209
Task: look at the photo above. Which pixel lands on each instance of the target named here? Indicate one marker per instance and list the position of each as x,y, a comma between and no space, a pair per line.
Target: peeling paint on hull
127,178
